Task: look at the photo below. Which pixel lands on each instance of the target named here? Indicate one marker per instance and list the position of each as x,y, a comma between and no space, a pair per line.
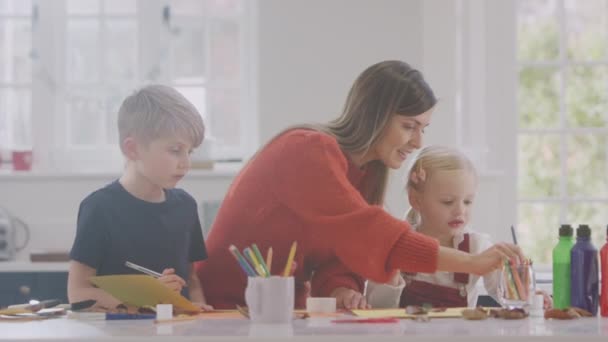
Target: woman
323,186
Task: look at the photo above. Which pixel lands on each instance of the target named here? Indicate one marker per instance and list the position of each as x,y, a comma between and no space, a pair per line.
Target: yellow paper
400,313
140,289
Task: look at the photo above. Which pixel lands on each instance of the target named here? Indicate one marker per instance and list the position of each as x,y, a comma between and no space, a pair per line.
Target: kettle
9,226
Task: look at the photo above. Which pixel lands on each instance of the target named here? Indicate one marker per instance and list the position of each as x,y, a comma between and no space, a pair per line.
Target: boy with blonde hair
141,217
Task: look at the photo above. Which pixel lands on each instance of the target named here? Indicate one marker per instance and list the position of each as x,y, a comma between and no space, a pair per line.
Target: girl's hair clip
418,176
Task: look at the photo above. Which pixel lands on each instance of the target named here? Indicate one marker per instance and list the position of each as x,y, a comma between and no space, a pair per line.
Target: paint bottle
604,265
584,272
561,267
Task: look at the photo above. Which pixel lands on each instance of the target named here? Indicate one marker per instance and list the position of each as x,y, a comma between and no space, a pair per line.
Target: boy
141,217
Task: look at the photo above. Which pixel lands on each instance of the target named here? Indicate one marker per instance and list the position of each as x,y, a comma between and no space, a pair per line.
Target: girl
441,188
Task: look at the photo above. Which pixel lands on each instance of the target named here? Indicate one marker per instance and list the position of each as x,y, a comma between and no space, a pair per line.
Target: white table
314,329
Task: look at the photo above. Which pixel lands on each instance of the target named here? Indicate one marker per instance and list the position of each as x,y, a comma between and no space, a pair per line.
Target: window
89,54
562,58
15,73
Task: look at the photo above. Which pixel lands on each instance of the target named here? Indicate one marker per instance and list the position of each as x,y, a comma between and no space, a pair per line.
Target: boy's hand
171,280
349,299
204,306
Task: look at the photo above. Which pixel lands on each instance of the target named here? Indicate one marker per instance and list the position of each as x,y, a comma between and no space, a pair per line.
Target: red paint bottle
604,272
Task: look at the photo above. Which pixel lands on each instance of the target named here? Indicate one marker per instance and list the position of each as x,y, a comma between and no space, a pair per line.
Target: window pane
188,52
79,7
538,33
538,97
225,7
120,51
83,50
15,45
586,96
85,117
587,166
198,97
187,7
539,165
593,214
15,117
586,29
225,119
537,230
16,7
225,51
112,103
120,6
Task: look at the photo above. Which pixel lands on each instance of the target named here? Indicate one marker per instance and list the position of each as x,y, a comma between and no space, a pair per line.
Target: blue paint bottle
584,272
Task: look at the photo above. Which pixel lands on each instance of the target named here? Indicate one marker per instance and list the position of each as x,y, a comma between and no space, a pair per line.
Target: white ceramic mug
270,300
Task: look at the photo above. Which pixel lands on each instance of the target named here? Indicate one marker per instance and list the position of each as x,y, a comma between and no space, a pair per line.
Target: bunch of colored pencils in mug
254,265
517,279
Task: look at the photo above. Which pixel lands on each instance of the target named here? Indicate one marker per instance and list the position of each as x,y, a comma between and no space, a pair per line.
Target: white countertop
28,266
313,329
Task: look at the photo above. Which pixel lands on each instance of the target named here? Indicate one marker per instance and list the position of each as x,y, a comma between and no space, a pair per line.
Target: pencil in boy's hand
292,253
143,269
269,261
241,260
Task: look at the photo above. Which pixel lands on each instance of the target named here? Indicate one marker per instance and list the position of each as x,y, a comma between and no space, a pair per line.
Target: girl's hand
349,299
396,279
171,280
494,257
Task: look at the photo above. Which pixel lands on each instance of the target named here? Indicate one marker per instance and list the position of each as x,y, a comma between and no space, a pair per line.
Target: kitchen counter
28,266
313,329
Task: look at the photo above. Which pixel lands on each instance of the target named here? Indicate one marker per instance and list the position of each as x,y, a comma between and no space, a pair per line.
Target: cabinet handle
25,290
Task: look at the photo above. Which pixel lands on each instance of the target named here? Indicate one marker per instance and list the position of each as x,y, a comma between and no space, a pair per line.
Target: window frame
49,87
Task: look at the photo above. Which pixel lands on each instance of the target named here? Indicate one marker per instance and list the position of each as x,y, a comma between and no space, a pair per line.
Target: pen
119,316
142,269
367,320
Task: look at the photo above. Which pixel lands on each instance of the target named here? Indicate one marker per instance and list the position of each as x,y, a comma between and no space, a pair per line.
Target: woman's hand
547,300
349,299
494,257
171,280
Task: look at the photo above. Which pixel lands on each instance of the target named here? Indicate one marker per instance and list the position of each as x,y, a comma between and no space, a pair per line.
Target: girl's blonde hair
430,160
384,89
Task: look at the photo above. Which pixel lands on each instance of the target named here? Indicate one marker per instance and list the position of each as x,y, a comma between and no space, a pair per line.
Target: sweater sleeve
332,275
310,173
384,296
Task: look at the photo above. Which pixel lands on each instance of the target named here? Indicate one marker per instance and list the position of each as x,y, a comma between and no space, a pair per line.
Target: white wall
309,53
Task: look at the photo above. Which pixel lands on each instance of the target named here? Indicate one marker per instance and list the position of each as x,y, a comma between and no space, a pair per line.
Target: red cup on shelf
22,160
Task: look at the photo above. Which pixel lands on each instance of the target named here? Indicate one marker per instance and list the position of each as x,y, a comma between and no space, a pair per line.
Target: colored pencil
292,254
241,260
269,260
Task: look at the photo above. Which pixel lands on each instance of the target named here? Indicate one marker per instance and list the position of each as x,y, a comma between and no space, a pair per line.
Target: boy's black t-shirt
114,227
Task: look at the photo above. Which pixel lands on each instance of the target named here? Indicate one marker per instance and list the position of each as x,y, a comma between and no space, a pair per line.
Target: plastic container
604,265
584,272
561,267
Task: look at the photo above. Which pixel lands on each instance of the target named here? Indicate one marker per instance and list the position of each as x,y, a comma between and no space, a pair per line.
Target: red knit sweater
301,187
